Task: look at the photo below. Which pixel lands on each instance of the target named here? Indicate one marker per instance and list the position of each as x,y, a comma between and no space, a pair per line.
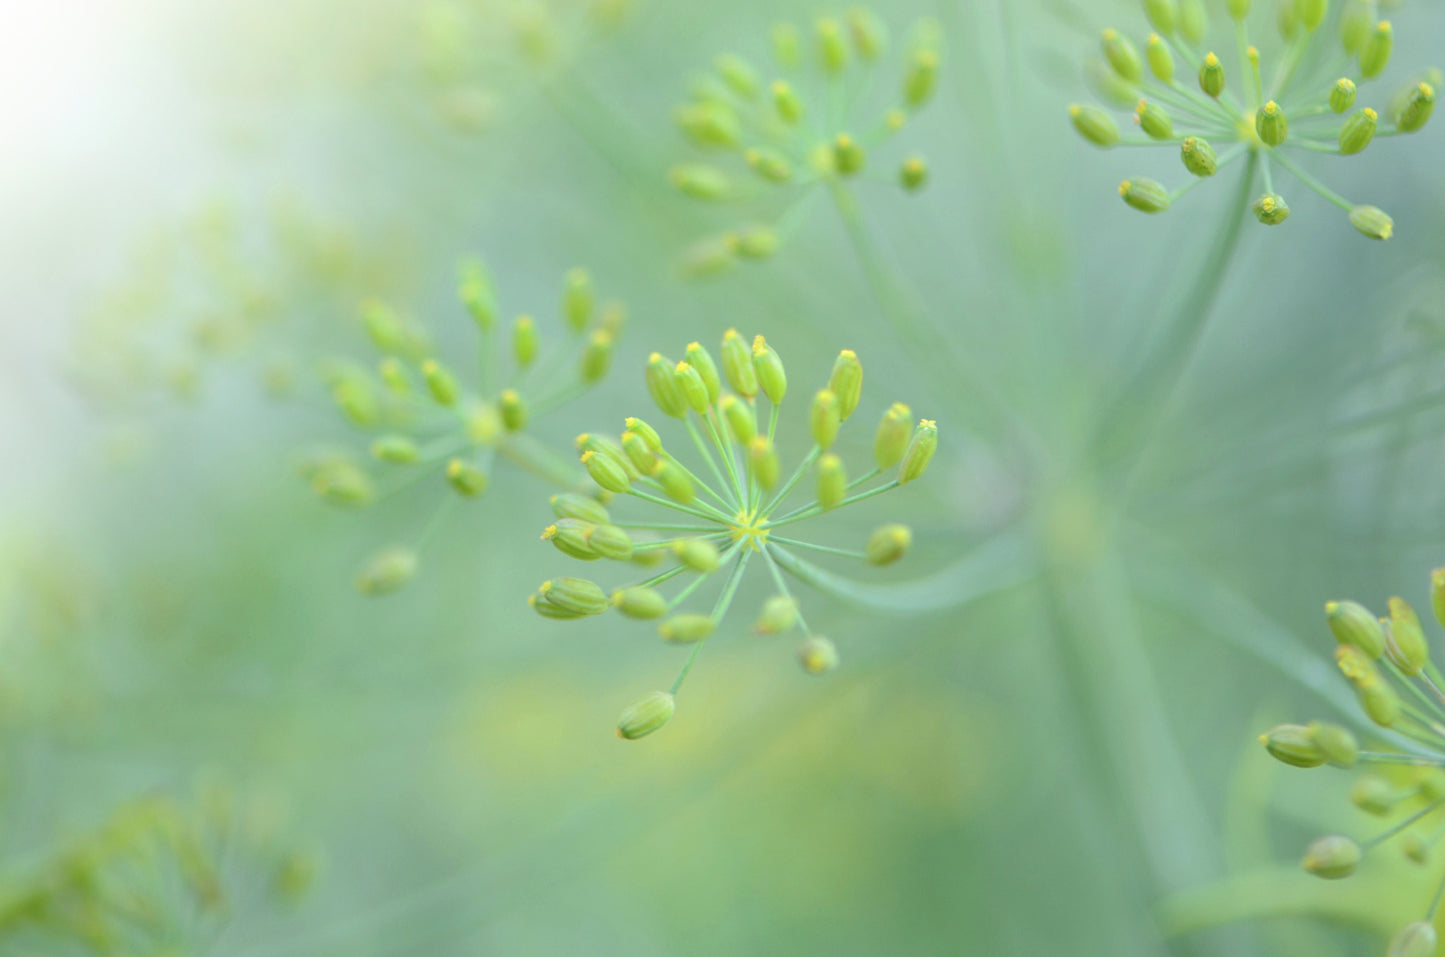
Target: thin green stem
808,511
783,590
1313,183
703,510
796,543
696,481
526,452
802,470
711,463
725,451
1381,838
719,610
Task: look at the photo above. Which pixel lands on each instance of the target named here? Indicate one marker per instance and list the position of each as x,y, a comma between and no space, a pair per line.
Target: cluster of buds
1402,692
427,424
1185,98
783,146
729,508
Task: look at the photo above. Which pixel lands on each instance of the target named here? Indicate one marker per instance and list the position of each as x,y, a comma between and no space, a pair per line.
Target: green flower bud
1294,745
690,384
1104,81
699,181
738,74
711,125
913,174
1337,744
1415,848
440,383
342,483
572,505
1211,76
891,440
675,483
1094,125
1332,857
474,287
921,78
846,382
1374,795
525,344
1375,52
577,299
357,400
1414,940
570,537
662,384
1358,131
786,102
1271,209
769,368
1122,56
755,242
763,459
920,451
1144,195
698,554
1431,785
638,453
888,544
394,376
548,610
785,44
832,47
848,156
387,331
1311,13
1405,640
646,716
1161,61
1381,703
1198,156
514,410
826,418
1163,15
1353,625
779,614
576,595
832,480
737,363
1271,125
769,164
1416,110
1342,94
1357,19
869,37
613,318
1373,221
1193,20
639,602
741,419
596,357
606,472
1238,9
397,449
817,655
684,629
648,433
609,541
466,479
1152,119
388,571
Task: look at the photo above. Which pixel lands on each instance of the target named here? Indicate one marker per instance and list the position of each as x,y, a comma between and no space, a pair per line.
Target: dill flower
429,422
720,504
1402,693
1221,104
766,143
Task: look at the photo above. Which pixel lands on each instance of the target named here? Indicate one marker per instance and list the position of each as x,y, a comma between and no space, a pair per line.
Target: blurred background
212,744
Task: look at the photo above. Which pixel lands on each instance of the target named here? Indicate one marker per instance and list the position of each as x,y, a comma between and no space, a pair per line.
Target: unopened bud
1372,221
1144,195
921,78
1271,125
742,421
1311,13
737,361
913,174
769,368
1352,624
826,418
1374,795
921,447
888,544
1163,15
687,628
1153,120
577,595
663,386
1337,744
570,537
514,410
1094,125
1342,94
869,37
848,156
1294,745
1198,156
1161,61
1414,940
606,472
817,655
646,716
388,571
1211,76
475,290
572,505
1332,857
525,344
690,384
786,102
832,45
394,375
891,440
1358,131
1238,9
1122,56
738,74
577,299
1270,209
638,453
343,483
397,449
1415,112
785,44
832,481
609,541
639,602
1380,702
440,383
675,483
596,357
699,181
697,554
779,614
1193,20
466,479
1375,52
770,164
763,459
846,382
1405,640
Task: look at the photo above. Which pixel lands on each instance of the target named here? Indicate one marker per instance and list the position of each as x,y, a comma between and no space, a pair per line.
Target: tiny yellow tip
731,334
1124,187
548,532
454,467
1331,607
1383,26
760,345
1210,59
1371,113
694,345
587,456
1252,53
1154,38
1110,33
1426,89
1264,739
682,367
510,395
849,353
927,424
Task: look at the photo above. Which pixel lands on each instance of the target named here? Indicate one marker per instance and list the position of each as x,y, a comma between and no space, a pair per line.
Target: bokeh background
1062,762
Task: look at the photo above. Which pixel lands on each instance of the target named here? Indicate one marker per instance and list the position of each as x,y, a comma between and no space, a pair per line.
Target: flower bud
1198,156
741,419
869,37
475,290
639,602
1342,94
387,331
921,447
891,439
701,360
397,449
738,74
1372,221
1375,51
887,544
1105,82
832,481
577,299
1381,703
570,537
785,44
609,541
848,156
846,382
698,554
712,124
1414,940
1415,848
525,344
394,376
754,242
635,448
1094,125
786,102
1211,76
1163,15
1332,857
1357,19
1144,195
1352,624
606,472
675,483
1405,640
1153,120
357,399
1270,209
663,386
440,383
1193,20
1374,795
577,595
913,174
342,483
690,384
466,479
1271,125
1122,56
687,628
779,614
699,181
514,410
1311,13
1238,9
572,505
1358,131
763,459
920,78
769,164
596,357
832,46
817,655
388,571
1416,109
1337,744
613,318
646,716
826,418
769,368
1294,745
738,365
1161,61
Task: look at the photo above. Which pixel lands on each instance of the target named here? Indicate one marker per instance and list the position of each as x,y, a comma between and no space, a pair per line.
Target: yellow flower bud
1342,94
779,614
1161,61
848,156
675,483
1374,795
846,382
1122,56
913,174
1193,20
576,595
1415,111
1238,9
1294,745
921,78
785,44
514,410
763,459
1271,125
690,384
687,628
832,480
1163,15
769,368
638,453
869,37
1357,19
1094,125
1372,221
648,433
738,74
475,290
1332,857
1352,624
1358,131
525,344
738,365
596,357
832,46
891,440
1311,13
768,163
606,472
697,554
1270,209
1145,195
662,384
1337,744
826,418
786,102
570,537
440,383
888,544
1405,640
572,505
1211,76
609,541
700,181
388,571
1198,156
639,602
397,449
646,716
1375,51
342,483
920,451
817,655
742,421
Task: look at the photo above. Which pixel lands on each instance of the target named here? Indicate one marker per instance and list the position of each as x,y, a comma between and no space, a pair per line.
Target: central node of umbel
746,529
